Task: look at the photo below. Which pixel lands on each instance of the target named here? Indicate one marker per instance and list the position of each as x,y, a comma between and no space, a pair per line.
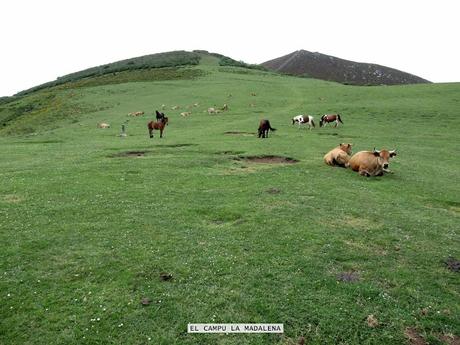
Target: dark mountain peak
321,66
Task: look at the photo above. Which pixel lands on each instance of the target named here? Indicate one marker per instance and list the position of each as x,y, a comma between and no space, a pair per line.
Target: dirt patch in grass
273,191
452,206
146,301
177,145
269,159
358,222
328,133
12,198
246,134
452,264
229,152
450,339
129,154
40,142
348,277
414,337
165,276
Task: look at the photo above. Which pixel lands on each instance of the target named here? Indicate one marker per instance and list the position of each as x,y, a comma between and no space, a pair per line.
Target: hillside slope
90,221
168,59
326,67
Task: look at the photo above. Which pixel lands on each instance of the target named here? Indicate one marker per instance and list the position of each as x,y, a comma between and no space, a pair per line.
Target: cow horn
376,151
393,151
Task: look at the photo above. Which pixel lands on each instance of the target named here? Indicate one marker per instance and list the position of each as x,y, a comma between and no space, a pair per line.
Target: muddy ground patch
245,134
268,159
129,154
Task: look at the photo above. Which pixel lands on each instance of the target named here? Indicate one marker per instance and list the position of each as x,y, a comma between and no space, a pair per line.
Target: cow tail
340,120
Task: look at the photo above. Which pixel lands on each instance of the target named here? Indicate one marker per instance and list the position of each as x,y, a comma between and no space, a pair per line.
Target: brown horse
264,127
157,125
325,119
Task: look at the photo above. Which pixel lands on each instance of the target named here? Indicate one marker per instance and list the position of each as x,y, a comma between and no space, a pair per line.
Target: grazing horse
325,119
159,115
264,127
157,125
304,119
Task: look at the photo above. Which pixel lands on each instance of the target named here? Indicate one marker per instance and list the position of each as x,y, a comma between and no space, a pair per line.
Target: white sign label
235,328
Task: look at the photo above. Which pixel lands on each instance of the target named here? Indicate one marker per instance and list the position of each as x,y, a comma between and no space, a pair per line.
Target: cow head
346,148
384,158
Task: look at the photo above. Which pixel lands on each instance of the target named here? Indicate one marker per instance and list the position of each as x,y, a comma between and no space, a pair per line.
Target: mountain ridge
331,68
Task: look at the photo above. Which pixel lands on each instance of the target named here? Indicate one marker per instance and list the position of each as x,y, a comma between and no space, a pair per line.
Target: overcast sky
44,39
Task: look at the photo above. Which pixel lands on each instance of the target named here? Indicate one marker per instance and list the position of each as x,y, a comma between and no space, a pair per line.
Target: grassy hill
326,67
90,220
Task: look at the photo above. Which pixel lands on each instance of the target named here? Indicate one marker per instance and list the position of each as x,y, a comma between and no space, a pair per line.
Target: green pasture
87,229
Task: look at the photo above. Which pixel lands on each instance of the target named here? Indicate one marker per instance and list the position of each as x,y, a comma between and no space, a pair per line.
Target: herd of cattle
367,163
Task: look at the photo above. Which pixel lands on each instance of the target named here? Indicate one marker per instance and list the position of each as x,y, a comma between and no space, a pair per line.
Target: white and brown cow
338,156
304,119
371,163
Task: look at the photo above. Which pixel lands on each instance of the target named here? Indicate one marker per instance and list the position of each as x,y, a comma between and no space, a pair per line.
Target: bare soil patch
269,159
129,154
273,191
450,339
326,133
177,145
348,277
414,337
452,264
229,152
247,134
12,198
165,276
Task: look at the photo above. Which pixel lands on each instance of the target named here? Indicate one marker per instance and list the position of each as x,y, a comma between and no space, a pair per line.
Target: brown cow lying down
338,156
371,163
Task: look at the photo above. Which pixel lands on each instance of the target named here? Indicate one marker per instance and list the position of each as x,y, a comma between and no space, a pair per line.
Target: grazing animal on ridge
185,113
338,156
136,113
158,125
325,119
304,119
213,110
371,163
264,128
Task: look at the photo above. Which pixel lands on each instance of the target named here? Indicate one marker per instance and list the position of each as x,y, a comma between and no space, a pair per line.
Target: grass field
86,231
